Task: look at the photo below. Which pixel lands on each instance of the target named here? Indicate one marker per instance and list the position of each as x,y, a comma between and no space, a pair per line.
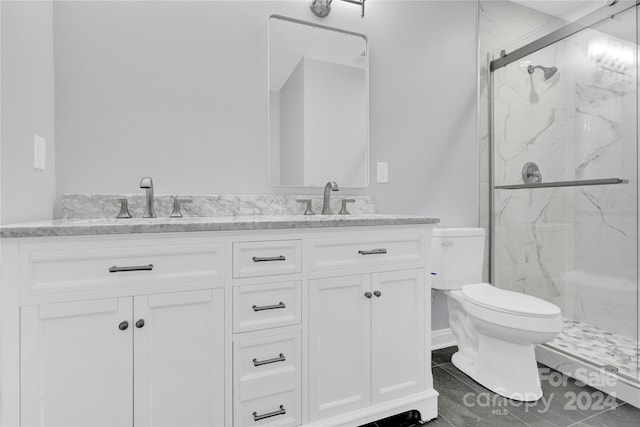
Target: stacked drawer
267,333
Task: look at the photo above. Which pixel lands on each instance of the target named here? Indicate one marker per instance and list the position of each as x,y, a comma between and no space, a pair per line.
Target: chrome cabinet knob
140,323
123,325
377,293
368,294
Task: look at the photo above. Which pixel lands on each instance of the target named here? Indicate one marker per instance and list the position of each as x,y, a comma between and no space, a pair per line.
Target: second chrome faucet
147,184
326,204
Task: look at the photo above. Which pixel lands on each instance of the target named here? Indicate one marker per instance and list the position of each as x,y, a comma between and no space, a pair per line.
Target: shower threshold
605,361
598,347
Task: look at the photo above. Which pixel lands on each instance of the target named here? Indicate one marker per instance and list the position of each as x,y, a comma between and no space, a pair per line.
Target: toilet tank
456,257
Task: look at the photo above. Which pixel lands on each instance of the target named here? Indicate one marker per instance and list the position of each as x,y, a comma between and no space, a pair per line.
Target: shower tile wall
502,25
574,246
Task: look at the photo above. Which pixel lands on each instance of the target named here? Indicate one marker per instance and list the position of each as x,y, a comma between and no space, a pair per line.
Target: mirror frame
367,159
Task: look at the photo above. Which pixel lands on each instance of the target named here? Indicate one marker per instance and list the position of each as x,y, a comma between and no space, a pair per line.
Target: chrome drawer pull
373,252
269,258
269,307
116,269
280,358
257,417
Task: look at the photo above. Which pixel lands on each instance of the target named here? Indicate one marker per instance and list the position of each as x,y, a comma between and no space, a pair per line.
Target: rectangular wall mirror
318,105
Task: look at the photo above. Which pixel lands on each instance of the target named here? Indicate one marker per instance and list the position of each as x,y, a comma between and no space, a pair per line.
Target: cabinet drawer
88,266
366,251
266,305
260,358
268,406
252,259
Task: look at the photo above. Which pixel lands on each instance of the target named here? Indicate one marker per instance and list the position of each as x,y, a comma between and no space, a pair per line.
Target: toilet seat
508,302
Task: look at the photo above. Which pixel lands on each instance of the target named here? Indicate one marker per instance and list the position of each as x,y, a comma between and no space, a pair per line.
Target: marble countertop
71,227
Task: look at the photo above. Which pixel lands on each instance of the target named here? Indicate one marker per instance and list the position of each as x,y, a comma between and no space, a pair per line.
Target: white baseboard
442,338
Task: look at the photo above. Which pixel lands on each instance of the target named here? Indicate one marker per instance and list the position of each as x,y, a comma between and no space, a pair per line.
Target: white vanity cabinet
282,327
364,347
153,359
76,365
267,314
116,331
367,330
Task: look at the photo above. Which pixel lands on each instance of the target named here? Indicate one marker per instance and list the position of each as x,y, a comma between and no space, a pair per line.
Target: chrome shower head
548,72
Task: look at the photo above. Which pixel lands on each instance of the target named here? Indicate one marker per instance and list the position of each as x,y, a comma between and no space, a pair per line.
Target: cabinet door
179,359
397,334
76,364
339,345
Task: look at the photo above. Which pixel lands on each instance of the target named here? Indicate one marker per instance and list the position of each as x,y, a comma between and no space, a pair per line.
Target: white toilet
496,330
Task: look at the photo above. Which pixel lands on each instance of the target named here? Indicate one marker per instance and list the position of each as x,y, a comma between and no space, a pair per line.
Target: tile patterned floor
566,402
598,346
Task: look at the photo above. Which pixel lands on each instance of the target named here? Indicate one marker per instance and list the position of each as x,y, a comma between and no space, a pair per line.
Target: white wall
178,91
335,123
291,112
27,109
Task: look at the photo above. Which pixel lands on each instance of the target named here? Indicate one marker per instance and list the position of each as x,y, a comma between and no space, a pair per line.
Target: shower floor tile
598,347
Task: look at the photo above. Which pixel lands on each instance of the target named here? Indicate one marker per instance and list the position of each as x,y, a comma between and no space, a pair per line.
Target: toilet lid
492,298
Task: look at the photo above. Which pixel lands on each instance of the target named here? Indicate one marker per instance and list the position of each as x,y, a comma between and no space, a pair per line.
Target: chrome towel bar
577,183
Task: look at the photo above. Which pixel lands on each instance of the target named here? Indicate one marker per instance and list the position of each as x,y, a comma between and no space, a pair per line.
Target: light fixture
322,8
610,53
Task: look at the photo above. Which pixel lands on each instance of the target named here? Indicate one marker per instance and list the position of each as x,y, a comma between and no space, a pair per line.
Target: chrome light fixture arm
322,8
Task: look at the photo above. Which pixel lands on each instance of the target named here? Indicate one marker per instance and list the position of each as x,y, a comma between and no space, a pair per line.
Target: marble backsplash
92,206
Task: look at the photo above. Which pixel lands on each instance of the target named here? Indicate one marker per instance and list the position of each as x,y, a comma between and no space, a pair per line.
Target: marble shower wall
573,246
501,25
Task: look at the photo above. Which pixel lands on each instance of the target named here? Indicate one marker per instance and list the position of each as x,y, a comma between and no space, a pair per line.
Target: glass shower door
565,188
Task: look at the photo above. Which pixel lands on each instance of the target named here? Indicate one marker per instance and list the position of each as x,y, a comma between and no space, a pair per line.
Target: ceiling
569,10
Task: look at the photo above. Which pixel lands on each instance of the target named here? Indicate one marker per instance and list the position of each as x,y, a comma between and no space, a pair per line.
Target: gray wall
26,194
178,91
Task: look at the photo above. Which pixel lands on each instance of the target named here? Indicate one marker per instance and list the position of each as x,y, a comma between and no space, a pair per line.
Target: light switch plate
382,170
39,152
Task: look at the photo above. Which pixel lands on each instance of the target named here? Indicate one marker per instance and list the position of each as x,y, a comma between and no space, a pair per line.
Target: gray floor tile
443,355
566,403
559,405
621,416
460,405
438,422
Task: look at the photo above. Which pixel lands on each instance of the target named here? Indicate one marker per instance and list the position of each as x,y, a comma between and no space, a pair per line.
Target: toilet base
505,368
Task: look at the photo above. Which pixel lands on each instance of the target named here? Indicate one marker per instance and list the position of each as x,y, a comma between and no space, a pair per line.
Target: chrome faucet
147,184
326,206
